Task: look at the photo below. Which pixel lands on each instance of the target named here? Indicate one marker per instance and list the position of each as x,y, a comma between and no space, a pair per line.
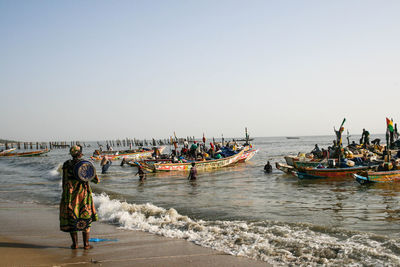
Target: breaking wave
274,242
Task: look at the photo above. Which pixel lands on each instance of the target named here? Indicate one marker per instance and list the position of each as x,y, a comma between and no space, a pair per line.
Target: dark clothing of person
193,173
141,174
268,168
105,167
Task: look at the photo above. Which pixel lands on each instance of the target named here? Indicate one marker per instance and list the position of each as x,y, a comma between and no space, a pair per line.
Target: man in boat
193,149
364,138
268,167
185,144
316,151
193,172
77,210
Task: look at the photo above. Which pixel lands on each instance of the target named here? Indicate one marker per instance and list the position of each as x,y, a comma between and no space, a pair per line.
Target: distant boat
7,151
292,137
244,140
26,154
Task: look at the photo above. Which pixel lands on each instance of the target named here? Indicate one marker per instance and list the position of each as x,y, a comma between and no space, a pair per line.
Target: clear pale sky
95,70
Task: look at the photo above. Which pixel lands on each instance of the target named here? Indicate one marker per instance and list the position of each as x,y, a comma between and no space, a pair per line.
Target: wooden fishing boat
378,176
310,164
116,155
285,168
7,151
27,154
318,173
247,155
290,160
186,166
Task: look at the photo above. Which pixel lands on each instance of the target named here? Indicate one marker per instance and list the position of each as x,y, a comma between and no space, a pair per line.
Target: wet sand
30,236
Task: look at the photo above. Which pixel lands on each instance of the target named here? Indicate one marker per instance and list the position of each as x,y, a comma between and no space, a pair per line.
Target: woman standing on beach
77,210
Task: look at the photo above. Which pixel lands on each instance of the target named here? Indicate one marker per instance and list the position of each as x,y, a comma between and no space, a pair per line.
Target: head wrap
75,151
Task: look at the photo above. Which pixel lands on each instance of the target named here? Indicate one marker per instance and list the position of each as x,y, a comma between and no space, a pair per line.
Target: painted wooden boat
298,162
378,177
27,154
200,165
247,155
285,168
318,173
310,164
7,151
290,160
130,156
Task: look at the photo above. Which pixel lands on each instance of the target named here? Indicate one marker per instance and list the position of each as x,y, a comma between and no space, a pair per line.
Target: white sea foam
56,171
274,242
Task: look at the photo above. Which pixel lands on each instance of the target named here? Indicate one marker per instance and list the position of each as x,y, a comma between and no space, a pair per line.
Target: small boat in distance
292,137
7,151
26,154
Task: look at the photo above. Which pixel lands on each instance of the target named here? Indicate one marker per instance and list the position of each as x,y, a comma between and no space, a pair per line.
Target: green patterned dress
77,210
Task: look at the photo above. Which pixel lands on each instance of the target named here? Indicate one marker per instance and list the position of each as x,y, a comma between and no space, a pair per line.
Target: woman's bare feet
87,247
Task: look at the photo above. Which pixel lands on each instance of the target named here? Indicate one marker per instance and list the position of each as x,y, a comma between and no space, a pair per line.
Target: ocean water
239,210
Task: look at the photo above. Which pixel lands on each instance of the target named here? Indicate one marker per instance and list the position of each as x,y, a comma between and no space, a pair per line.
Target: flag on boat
344,120
389,124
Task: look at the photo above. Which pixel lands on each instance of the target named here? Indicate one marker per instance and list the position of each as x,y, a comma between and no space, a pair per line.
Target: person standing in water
141,174
77,210
268,167
105,164
193,172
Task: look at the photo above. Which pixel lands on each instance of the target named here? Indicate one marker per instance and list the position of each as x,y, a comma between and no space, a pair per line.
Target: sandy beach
30,237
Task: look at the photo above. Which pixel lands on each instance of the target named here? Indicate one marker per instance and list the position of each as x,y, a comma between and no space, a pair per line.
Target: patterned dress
77,210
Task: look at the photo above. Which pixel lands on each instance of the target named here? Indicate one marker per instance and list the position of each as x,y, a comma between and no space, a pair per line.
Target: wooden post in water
31,145
19,145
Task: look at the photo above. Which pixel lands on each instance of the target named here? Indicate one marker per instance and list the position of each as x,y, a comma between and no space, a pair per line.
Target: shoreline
30,236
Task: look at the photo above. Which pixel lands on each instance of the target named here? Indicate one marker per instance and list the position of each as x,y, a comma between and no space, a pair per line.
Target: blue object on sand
101,239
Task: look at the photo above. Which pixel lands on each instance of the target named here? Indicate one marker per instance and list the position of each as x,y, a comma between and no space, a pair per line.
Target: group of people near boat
366,152
198,151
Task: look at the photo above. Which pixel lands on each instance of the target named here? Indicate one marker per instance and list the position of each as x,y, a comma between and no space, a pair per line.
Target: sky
99,70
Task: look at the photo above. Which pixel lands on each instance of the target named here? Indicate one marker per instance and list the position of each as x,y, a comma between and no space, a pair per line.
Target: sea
239,210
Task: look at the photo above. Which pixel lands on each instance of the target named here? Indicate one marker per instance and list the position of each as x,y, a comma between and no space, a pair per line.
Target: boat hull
285,168
378,177
27,154
7,151
247,155
326,173
200,165
129,156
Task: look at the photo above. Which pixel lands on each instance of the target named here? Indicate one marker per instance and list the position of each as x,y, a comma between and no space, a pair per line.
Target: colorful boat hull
7,151
324,173
247,155
378,177
27,154
130,156
200,165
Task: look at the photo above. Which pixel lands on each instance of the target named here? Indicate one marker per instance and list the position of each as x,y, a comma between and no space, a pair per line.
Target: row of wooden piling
126,142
